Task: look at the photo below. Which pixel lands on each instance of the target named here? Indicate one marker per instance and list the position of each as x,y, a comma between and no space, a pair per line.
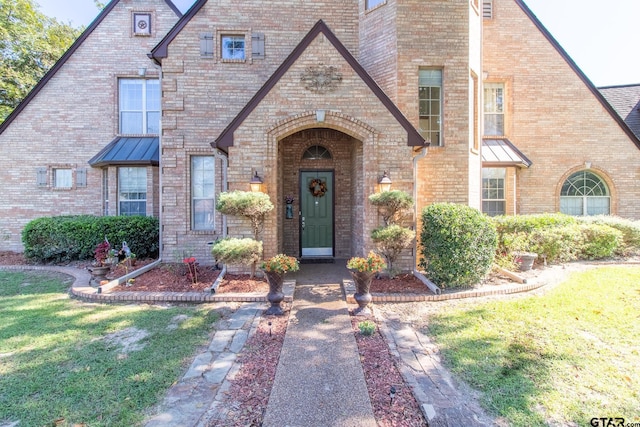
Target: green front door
316,213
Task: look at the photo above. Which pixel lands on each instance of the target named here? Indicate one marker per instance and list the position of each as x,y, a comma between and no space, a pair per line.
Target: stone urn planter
525,260
275,295
98,274
275,269
362,280
362,271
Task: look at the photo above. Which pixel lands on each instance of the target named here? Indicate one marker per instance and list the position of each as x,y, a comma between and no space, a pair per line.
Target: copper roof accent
132,150
625,99
65,57
579,72
501,152
225,139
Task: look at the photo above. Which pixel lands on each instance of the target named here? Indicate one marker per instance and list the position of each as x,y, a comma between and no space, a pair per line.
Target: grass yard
562,358
66,362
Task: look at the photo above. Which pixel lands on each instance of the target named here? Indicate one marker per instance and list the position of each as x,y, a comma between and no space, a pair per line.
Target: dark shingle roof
625,99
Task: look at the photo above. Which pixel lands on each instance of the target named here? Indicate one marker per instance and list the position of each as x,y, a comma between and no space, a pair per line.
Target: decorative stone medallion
321,78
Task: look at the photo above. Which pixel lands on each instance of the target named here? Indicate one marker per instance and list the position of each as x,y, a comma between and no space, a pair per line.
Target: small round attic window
316,152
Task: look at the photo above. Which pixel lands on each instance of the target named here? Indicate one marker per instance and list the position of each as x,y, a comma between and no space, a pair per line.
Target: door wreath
317,187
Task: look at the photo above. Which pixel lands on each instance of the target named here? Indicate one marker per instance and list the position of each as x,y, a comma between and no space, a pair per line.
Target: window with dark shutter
41,177
487,9
206,45
257,45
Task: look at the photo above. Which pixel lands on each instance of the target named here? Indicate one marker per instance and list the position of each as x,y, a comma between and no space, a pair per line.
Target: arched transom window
585,193
316,152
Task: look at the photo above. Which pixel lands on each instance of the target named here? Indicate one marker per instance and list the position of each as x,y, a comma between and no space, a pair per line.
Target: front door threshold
317,260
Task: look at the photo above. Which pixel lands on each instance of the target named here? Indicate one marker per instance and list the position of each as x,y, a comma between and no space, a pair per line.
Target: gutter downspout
422,154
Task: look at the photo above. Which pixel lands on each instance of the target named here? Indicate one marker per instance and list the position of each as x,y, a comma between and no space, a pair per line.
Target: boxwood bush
458,244
69,238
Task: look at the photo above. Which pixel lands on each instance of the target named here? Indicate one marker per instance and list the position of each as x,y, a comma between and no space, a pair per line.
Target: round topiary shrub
458,244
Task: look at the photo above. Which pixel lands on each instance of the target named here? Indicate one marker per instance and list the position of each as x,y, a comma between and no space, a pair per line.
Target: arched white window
585,193
316,152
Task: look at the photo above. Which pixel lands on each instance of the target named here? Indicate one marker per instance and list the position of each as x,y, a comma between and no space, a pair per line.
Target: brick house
458,101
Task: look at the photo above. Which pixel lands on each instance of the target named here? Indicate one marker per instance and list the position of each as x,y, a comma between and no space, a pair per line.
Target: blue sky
599,36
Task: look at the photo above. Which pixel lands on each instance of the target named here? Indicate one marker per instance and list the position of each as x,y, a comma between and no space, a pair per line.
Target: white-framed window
139,106
430,105
62,178
203,192
493,191
370,4
233,47
585,193
132,191
494,109
142,24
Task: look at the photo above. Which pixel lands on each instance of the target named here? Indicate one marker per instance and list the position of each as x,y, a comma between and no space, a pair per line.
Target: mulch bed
380,374
247,398
402,284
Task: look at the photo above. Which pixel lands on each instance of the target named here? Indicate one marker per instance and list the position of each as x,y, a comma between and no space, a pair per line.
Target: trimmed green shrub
391,241
600,241
254,206
70,238
392,205
458,244
234,251
630,243
529,223
558,244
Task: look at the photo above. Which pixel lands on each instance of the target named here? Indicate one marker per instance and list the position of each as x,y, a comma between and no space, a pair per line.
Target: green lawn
64,359
568,356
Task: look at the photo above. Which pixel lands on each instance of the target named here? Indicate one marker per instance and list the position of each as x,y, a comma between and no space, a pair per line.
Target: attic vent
142,24
487,9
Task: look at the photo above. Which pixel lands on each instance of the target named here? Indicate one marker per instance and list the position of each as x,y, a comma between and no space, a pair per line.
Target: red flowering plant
192,269
280,263
102,252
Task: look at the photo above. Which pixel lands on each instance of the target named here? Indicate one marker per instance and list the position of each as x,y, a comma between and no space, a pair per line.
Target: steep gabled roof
225,139
626,101
160,51
579,72
64,58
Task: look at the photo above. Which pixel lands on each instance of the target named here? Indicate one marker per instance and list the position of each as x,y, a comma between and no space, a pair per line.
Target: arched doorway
320,171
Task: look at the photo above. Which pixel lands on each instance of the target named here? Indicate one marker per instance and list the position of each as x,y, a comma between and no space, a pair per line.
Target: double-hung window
202,192
233,47
430,105
132,191
494,109
493,194
139,106
62,178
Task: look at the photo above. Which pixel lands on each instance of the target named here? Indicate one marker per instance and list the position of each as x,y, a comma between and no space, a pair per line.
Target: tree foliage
30,44
391,241
254,206
392,205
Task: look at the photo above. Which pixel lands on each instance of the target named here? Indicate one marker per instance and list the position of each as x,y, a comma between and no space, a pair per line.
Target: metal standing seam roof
502,152
139,150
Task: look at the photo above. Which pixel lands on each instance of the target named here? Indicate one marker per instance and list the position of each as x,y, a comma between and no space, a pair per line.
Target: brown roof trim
225,139
579,72
160,52
63,59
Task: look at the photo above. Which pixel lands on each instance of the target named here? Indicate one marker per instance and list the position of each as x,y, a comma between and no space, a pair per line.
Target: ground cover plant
559,359
67,362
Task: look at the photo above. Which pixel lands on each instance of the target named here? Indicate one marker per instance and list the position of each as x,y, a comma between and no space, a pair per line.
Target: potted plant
101,268
274,269
362,270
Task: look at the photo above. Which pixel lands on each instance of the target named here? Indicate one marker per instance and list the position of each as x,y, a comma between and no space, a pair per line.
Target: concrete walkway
319,380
